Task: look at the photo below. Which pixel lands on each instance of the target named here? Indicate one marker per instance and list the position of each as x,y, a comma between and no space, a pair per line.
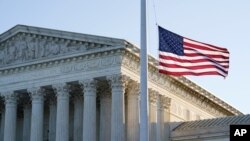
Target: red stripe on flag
189,73
193,67
216,47
207,55
190,61
203,47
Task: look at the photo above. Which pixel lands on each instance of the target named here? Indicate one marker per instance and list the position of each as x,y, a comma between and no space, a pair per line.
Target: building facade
64,86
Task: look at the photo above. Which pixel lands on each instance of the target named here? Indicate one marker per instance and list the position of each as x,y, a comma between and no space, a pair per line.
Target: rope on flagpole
155,13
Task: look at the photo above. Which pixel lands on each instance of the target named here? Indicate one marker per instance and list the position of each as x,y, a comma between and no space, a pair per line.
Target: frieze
69,65
94,64
25,47
25,76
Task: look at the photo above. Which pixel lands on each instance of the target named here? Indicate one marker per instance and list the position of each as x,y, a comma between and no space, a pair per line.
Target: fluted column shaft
105,119
10,117
52,120
133,112
117,117
62,116
160,118
78,118
37,114
89,116
26,122
152,116
166,119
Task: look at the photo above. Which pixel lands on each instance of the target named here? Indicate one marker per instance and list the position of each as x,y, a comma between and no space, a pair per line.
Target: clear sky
224,23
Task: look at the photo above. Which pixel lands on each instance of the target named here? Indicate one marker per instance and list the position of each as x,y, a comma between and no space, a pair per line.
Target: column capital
88,86
61,89
166,103
117,81
133,89
160,102
10,97
153,96
36,93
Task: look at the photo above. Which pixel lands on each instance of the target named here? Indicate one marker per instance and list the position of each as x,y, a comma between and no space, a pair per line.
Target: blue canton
170,42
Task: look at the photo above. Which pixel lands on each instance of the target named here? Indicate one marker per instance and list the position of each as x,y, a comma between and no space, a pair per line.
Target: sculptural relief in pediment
24,48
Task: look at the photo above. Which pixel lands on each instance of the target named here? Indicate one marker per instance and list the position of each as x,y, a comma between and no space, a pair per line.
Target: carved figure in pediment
73,46
10,52
21,48
52,49
55,48
63,48
41,48
31,48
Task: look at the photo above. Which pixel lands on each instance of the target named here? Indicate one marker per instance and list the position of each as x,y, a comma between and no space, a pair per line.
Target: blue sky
223,23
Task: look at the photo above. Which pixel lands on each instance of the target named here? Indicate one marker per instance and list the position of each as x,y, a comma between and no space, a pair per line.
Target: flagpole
144,75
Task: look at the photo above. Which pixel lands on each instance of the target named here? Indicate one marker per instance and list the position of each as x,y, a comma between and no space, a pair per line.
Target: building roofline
207,126
114,41
57,33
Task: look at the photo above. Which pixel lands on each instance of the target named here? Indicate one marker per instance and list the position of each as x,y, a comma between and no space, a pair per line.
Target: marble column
160,118
78,117
117,108
62,115
133,112
10,117
52,119
152,116
166,119
105,114
37,114
26,122
89,112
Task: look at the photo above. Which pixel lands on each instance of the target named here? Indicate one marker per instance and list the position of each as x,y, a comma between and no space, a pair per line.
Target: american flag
182,56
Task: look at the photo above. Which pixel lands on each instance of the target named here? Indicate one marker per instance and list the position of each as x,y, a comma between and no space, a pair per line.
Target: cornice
45,32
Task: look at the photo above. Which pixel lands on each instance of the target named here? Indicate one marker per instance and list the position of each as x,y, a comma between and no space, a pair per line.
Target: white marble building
64,86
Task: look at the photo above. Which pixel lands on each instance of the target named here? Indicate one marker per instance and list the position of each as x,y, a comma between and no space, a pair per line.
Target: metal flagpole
144,75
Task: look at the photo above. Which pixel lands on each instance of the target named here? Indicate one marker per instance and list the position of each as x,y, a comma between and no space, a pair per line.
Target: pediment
24,44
